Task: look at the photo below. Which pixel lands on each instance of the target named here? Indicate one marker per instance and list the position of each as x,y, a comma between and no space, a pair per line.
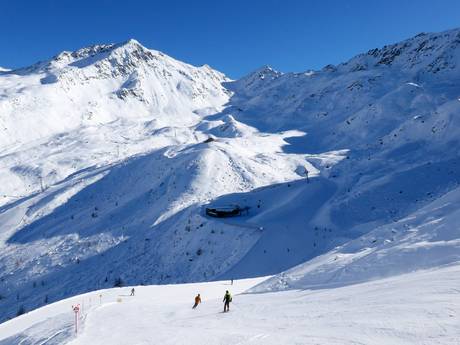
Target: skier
197,301
231,282
227,299
132,292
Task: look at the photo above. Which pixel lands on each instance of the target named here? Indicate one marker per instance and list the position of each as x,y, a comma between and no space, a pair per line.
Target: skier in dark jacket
197,301
227,299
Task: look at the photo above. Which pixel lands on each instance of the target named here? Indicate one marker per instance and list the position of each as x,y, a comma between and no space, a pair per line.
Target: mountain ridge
111,157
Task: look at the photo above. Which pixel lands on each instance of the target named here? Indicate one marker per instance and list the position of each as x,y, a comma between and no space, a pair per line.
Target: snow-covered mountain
102,84
111,153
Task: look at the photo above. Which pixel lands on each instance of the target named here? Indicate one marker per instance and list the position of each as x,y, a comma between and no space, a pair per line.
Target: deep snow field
416,308
350,175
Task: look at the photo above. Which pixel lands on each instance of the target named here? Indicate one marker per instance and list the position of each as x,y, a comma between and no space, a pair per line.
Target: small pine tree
21,310
118,282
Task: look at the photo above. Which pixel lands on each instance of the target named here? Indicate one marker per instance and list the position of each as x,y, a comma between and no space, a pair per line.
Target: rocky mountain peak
427,52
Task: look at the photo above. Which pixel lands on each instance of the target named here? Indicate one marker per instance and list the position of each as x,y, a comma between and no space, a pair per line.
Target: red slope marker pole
76,310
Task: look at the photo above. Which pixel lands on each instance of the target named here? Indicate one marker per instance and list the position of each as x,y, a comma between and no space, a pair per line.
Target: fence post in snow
76,310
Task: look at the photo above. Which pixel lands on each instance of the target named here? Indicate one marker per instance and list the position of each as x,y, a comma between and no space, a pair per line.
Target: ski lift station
226,211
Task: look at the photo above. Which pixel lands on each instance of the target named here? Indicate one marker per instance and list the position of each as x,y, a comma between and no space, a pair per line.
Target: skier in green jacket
227,299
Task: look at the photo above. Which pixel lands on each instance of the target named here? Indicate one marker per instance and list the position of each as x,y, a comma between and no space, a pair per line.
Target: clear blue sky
233,36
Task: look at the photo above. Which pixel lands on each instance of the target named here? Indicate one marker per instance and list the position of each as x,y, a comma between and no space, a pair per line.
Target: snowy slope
111,154
79,99
101,84
426,239
90,202
364,100
395,112
417,308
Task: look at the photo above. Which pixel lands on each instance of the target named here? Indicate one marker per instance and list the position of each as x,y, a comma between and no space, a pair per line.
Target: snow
413,84
33,324
428,238
416,308
107,167
102,84
130,184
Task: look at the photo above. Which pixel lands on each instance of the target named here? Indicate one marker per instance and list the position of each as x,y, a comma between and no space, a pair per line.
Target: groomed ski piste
416,308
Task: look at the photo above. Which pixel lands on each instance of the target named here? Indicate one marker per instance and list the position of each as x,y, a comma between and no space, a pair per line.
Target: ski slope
418,308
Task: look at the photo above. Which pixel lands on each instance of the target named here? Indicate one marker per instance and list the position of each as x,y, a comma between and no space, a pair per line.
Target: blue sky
234,37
